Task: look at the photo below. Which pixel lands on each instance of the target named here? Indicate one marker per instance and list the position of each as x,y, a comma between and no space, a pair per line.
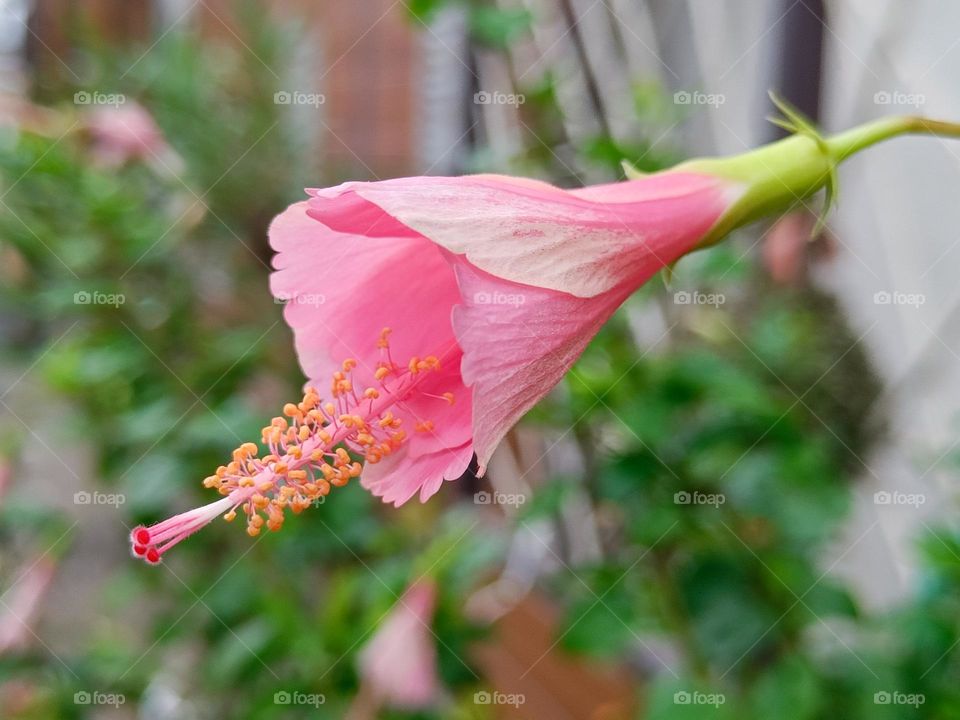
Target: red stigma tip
141,536
153,557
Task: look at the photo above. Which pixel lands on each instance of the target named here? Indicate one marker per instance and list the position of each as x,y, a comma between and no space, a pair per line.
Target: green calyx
784,174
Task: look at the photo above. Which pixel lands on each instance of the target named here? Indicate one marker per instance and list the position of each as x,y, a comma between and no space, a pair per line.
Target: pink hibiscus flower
126,133
399,664
439,310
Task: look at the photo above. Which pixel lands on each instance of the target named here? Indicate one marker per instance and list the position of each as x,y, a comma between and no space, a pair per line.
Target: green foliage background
737,401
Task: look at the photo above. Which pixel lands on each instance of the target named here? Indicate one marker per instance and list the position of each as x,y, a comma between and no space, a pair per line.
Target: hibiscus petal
398,477
342,289
518,342
582,242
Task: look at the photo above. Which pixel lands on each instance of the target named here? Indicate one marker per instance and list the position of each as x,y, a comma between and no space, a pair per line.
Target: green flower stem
845,144
781,175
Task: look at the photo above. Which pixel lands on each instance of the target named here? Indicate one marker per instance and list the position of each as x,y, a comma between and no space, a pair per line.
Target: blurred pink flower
399,663
123,133
504,279
21,603
785,245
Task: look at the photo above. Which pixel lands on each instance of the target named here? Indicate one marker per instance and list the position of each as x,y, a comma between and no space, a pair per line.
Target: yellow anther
298,476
